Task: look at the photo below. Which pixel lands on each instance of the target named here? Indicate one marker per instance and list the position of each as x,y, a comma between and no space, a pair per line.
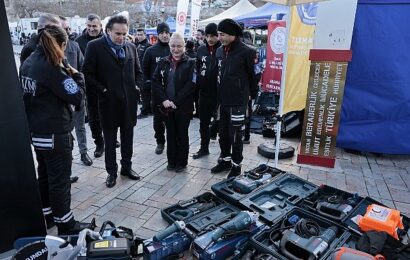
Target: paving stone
399,195
156,222
141,195
107,207
189,190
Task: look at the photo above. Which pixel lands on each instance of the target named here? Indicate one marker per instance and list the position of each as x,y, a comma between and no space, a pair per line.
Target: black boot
222,166
130,174
200,153
99,150
86,159
111,180
74,227
235,171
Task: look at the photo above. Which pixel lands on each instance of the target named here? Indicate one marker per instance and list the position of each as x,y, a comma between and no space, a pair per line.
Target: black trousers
54,170
207,110
230,135
110,139
159,125
177,138
146,100
247,134
94,117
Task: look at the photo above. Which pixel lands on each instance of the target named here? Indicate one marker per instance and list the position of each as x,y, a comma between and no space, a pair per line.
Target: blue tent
376,105
260,17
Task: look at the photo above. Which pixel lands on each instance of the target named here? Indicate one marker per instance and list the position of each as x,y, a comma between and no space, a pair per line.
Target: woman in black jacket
51,91
173,88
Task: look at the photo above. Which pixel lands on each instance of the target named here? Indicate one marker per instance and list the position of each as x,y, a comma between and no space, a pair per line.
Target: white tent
242,7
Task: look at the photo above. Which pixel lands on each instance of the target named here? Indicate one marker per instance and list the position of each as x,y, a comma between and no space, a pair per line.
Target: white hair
177,36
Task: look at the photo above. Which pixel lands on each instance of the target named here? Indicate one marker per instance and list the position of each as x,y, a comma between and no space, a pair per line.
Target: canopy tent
260,17
242,7
376,105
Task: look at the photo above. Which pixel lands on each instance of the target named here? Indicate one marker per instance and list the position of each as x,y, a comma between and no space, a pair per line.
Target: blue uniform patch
70,86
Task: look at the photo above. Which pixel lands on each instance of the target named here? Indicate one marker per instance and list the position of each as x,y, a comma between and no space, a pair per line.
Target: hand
72,70
173,106
167,104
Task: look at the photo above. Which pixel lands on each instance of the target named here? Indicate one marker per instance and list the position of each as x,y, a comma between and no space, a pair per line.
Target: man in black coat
206,81
112,68
92,32
152,56
142,46
235,80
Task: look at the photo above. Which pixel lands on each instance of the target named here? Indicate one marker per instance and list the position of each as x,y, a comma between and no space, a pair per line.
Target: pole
282,85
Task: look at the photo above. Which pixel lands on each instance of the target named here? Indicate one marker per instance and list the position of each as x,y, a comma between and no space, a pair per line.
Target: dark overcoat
115,81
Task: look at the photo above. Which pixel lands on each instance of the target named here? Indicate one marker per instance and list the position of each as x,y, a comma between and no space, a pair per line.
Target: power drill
176,227
333,211
296,247
249,182
240,222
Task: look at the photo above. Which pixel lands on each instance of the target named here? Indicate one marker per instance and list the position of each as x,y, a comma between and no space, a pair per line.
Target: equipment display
332,203
172,245
234,189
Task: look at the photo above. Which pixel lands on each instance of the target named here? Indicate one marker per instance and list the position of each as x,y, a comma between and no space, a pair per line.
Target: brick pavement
137,204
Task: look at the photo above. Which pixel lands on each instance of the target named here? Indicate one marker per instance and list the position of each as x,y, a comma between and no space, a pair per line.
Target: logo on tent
277,40
307,13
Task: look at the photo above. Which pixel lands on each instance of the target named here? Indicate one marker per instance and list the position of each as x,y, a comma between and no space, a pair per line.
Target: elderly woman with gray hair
173,87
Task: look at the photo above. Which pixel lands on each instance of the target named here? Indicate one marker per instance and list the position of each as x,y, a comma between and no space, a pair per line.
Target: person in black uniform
189,49
142,46
173,86
206,82
92,32
235,79
51,90
116,84
152,56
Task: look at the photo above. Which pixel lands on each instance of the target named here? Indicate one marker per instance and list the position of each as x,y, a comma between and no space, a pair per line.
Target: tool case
332,203
201,221
262,241
234,189
278,197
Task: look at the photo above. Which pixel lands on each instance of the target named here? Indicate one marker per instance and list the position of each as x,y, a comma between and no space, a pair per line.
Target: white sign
334,25
182,10
195,10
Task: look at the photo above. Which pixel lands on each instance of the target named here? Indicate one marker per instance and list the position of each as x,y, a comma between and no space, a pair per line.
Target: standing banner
298,64
182,10
195,11
330,58
272,74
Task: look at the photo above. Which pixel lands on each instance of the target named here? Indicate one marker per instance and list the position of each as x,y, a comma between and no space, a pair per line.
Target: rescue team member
235,78
142,46
116,84
93,31
173,87
50,93
152,56
207,68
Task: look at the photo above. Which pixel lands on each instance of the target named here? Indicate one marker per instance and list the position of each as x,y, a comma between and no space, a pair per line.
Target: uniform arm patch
70,86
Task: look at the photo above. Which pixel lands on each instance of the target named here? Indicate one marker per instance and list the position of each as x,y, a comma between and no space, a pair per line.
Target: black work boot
159,149
74,227
235,171
49,221
222,166
200,153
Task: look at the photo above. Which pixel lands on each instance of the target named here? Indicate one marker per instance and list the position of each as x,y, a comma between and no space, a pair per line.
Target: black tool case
231,192
277,198
332,196
197,223
263,244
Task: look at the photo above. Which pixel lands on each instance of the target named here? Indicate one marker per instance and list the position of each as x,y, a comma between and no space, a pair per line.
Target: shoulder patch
70,86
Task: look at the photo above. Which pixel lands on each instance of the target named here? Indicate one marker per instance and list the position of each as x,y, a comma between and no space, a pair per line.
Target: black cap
162,27
230,27
189,44
211,29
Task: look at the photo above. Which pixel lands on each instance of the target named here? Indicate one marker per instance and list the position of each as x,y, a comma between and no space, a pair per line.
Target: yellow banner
297,69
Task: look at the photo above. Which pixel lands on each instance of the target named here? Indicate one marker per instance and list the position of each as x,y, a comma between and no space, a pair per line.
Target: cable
307,228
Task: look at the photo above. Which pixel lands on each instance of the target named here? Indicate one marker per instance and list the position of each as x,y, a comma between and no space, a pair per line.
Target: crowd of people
101,74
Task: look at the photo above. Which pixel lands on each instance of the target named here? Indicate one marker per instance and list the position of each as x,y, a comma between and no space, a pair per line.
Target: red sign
181,18
272,74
